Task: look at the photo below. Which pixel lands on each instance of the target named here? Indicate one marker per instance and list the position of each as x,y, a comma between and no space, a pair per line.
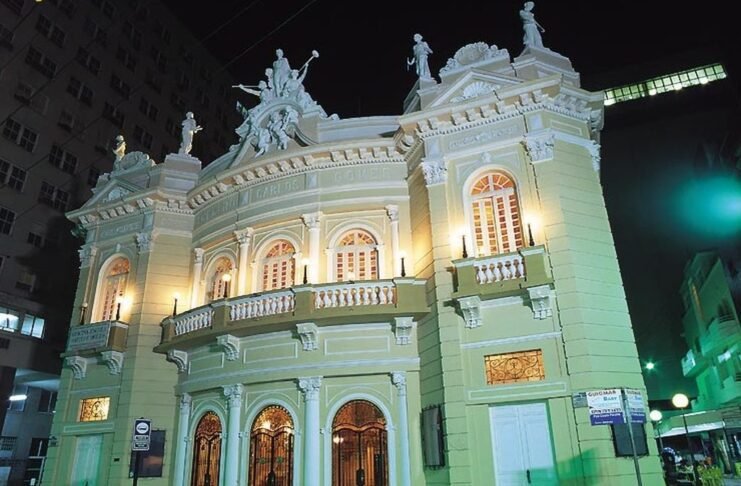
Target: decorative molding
180,358
540,301
198,255
311,220
309,334
310,387
114,361
233,394
540,146
144,242
470,307
399,380
434,172
78,365
244,236
403,327
392,210
474,90
594,151
87,255
185,402
473,54
229,345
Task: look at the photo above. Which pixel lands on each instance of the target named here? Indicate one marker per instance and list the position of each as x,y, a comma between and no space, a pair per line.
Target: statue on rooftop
190,127
281,72
119,150
421,50
263,92
531,27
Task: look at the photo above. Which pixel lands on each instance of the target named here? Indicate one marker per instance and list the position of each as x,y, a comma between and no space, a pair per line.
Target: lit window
356,257
94,409
278,267
217,286
496,215
114,287
271,447
514,367
207,451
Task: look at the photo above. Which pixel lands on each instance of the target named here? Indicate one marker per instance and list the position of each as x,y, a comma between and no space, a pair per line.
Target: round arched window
277,266
359,445
356,257
114,287
271,448
207,451
497,226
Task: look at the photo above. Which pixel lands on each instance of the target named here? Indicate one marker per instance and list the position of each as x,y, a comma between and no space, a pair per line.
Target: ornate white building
395,300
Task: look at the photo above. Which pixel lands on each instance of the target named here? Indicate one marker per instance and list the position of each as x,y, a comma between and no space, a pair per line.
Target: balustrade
194,320
499,268
355,294
261,305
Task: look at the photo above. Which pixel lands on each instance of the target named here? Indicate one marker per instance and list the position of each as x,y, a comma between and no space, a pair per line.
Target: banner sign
605,407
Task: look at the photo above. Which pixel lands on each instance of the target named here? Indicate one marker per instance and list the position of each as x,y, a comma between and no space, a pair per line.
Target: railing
355,294
688,362
199,318
499,268
262,305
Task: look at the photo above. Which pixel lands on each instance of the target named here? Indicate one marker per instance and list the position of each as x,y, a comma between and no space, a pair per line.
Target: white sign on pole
636,406
605,407
142,434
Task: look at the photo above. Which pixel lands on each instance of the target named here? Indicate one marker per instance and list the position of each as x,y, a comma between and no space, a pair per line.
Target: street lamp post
656,416
681,401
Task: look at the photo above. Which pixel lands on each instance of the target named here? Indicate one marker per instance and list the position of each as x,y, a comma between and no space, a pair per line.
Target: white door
87,460
521,438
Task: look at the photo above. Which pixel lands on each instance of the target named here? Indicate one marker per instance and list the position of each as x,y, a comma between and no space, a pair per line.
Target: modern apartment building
73,76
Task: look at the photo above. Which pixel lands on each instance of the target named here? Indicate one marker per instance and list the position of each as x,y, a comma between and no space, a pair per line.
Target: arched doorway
271,448
359,447
207,451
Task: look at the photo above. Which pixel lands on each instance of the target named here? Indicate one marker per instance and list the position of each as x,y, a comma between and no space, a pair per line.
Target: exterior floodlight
650,365
17,398
655,415
680,400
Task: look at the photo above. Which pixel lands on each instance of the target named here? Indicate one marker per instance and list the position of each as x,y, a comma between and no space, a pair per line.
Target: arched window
114,287
271,448
496,215
356,257
359,445
217,285
277,266
207,451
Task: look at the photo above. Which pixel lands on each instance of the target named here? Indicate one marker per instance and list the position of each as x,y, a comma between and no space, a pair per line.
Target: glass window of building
496,215
207,451
94,409
359,445
114,287
356,257
271,448
218,286
278,266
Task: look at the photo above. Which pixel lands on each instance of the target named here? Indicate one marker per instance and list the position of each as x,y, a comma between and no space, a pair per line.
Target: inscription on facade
116,230
276,189
210,212
88,337
483,137
360,174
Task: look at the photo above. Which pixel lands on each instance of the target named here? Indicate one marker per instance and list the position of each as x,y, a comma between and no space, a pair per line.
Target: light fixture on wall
119,301
681,402
305,263
83,308
175,298
533,221
403,255
530,235
226,278
465,251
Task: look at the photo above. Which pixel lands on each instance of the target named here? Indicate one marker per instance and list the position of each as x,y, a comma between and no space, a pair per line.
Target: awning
696,422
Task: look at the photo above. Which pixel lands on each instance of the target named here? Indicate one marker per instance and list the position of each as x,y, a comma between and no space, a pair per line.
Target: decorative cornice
312,220
114,360
399,380
233,395
392,210
470,307
540,301
78,365
144,242
180,358
185,402
244,236
403,327
229,345
310,387
198,255
540,145
594,151
434,172
87,255
308,332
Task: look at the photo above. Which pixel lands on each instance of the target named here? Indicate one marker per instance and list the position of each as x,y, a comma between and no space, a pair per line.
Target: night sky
362,72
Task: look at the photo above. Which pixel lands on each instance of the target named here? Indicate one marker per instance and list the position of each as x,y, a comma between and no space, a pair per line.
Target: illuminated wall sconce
465,251
403,255
83,308
530,235
175,298
226,278
119,301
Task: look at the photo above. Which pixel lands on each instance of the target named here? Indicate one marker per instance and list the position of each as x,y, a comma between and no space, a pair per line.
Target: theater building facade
394,300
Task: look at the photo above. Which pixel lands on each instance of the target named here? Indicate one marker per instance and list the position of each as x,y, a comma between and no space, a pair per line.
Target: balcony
723,332
730,394
501,275
320,304
692,364
97,337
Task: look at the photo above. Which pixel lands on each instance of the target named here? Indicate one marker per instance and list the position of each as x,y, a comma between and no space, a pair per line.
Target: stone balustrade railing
499,268
262,305
347,294
193,320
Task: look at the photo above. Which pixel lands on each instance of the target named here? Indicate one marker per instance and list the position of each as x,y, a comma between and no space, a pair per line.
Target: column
181,446
399,379
311,221
393,213
310,388
244,238
195,293
233,394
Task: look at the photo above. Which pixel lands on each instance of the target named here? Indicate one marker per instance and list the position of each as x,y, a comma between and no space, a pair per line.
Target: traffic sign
142,434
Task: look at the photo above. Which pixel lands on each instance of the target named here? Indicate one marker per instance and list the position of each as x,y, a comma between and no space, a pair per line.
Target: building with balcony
408,299
74,75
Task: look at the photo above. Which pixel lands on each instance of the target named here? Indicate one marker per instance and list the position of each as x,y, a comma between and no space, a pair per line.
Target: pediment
472,85
111,191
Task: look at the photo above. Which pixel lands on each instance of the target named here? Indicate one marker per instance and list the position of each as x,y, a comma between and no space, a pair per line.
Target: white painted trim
390,429
208,268
396,363
100,280
512,340
267,241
